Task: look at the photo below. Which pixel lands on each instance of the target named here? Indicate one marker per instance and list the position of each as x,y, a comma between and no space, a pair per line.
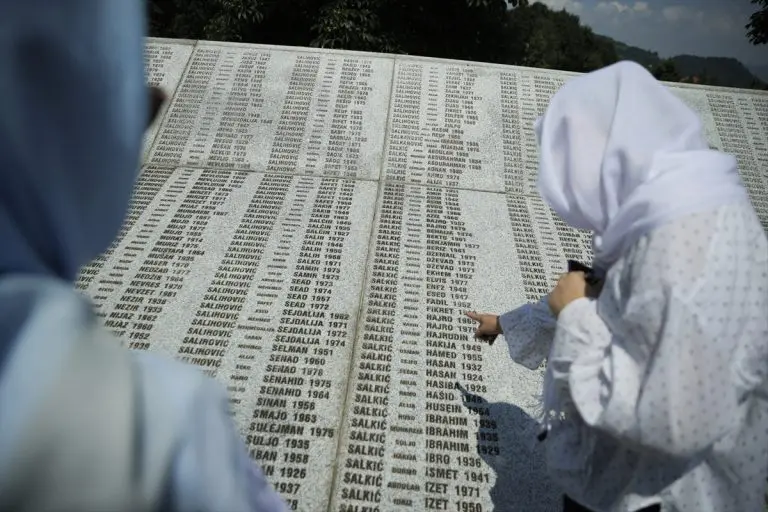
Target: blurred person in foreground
656,389
84,424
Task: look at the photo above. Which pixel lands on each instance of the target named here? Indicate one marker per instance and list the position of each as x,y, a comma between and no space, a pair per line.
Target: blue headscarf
85,425
72,115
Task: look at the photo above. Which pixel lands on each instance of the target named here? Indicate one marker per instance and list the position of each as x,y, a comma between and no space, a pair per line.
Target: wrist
498,325
574,307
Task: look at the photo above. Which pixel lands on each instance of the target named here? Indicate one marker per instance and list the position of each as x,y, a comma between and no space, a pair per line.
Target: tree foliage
666,70
503,31
287,22
461,29
757,28
540,37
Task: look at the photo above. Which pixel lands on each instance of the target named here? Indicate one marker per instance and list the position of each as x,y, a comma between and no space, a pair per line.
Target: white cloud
573,6
707,29
725,24
616,13
612,7
719,22
675,13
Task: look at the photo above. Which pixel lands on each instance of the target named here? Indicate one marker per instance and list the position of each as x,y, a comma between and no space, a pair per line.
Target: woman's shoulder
694,251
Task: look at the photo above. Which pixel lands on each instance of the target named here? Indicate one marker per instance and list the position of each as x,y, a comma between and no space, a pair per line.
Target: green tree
707,78
541,37
666,70
354,25
287,22
757,28
460,29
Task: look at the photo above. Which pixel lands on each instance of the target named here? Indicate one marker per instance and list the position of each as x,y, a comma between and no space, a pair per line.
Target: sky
709,28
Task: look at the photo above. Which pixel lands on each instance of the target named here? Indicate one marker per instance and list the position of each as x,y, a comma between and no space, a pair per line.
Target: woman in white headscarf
656,391
85,425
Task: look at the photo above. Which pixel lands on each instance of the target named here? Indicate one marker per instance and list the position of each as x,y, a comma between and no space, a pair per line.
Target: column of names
324,115
741,134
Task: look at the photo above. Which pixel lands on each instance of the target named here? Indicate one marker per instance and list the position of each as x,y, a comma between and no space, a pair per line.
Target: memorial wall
309,227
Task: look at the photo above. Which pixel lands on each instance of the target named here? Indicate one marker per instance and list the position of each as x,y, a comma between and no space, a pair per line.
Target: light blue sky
710,28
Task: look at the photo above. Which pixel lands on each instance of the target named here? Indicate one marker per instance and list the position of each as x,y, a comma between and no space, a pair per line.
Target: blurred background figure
84,424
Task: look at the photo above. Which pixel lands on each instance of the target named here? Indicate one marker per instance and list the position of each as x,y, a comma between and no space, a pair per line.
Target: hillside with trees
506,32
723,71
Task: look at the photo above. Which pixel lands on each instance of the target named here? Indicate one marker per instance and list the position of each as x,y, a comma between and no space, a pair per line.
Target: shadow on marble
522,483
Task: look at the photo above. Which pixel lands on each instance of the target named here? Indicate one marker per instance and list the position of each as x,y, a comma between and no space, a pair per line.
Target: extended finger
473,315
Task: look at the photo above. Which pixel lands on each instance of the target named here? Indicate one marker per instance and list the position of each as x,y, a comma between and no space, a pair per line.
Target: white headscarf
622,155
